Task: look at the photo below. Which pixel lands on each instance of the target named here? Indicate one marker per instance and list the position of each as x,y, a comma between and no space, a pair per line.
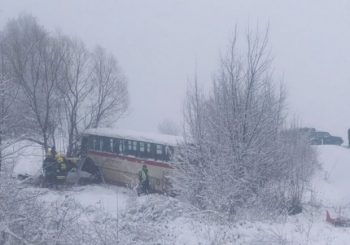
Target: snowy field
157,219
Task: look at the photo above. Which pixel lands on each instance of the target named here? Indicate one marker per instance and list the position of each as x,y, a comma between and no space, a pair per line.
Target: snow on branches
237,154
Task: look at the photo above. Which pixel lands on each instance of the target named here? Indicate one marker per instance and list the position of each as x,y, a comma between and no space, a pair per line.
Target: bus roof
136,135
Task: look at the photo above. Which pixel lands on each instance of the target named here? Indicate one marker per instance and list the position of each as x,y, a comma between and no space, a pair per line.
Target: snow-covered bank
158,219
28,157
331,183
107,198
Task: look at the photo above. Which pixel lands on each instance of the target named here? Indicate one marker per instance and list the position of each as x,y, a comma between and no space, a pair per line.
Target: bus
119,155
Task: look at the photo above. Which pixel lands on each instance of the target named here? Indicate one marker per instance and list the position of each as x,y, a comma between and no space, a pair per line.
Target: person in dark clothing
61,170
54,168
53,152
50,168
144,179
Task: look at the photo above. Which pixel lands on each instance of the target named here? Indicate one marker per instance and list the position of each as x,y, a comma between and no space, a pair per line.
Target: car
324,138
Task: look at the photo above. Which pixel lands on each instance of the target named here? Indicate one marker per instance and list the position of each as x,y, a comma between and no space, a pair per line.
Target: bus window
121,146
153,153
159,150
91,143
106,145
129,145
96,144
142,147
115,146
148,148
99,139
141,152
167,153
134,145
111,145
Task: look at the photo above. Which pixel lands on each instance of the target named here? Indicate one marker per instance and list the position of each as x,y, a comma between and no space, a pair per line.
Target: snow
158,219
332,182
135,135
107,198
29,160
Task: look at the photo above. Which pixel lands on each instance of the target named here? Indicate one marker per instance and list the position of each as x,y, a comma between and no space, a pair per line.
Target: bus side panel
125,171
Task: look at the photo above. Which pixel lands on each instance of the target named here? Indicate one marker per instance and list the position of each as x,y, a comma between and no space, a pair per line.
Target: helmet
59,158
145,169
49,152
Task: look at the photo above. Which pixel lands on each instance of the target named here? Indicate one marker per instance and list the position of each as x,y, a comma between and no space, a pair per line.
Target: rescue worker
49,168
53,151
61,171
144,179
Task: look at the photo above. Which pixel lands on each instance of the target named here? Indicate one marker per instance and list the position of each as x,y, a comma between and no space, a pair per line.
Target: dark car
324,138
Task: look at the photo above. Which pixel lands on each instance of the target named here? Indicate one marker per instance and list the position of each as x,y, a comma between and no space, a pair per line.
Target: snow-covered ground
157,219
332,182
28,157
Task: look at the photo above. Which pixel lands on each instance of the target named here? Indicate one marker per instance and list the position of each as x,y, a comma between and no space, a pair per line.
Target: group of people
55,172
54,168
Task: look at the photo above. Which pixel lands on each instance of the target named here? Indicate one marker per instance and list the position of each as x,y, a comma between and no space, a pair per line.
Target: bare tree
35,60
62,86
10,115
7,123
75,88
109,100
93,90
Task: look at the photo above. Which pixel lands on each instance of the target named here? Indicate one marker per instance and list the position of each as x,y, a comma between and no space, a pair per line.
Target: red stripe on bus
131,159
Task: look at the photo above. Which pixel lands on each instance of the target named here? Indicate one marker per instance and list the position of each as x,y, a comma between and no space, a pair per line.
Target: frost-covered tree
7,116
74,89
110,98
233,135
93,90
62,86
34,60
11,120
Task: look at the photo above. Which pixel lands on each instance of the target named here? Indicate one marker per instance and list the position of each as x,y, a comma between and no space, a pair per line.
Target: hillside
157,219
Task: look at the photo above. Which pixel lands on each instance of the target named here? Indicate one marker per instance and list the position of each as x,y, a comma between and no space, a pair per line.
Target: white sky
158,43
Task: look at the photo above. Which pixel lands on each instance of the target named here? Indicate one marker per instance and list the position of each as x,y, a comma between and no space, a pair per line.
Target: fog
160,44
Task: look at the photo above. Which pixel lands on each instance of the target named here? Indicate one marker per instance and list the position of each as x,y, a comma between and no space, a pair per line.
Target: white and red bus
119,155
